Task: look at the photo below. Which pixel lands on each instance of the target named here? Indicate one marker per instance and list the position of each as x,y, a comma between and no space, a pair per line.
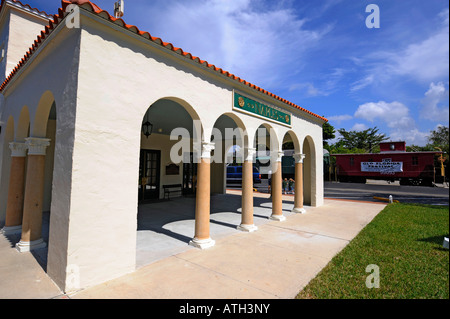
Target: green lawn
405,242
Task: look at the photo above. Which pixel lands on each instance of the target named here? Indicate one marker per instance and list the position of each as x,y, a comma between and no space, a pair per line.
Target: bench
173,188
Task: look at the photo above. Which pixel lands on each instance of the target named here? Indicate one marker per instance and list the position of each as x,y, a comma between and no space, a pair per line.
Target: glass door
149,172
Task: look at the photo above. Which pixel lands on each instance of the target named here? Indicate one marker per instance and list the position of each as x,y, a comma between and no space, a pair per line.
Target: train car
391,164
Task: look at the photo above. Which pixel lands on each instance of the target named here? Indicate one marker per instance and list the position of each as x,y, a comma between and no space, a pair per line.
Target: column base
11,230
247,228
299,210
25,246
279,218
202,243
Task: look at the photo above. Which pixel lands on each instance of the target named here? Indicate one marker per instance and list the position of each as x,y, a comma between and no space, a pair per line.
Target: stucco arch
23,125
238,130
39,126
7,135
309,168
291,136
198,128
272,142
228,130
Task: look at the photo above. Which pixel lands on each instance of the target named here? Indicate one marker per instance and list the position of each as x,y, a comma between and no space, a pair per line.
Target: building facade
73,142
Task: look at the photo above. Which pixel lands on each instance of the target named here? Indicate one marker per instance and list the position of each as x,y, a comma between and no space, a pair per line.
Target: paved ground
405,194
438,195
277,261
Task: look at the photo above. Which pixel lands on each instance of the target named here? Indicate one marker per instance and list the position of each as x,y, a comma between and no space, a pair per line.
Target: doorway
149,174
189,174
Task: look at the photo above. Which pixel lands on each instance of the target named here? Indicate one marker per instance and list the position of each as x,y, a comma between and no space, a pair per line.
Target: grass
405,242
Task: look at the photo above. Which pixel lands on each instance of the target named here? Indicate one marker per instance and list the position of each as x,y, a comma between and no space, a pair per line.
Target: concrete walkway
276,261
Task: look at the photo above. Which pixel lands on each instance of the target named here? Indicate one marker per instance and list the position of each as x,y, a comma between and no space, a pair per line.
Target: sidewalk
276,261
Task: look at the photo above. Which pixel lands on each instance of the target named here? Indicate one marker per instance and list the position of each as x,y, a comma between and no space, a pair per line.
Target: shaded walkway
166,227
276,261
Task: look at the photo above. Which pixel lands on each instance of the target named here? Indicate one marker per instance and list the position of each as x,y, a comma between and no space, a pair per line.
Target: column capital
277,155
207,148
299,158
249,154
36,145
18,149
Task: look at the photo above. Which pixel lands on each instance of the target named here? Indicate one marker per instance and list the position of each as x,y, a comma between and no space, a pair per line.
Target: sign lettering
246,104
384,167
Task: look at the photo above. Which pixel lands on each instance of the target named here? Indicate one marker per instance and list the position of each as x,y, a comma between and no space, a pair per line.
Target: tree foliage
439,138
328,132
367,140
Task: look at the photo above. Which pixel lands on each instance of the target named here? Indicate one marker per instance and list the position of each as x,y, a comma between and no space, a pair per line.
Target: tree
439,138
367,140
327,132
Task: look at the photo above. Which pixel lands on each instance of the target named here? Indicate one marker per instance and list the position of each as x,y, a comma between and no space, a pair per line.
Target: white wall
55,71
20,30
101,100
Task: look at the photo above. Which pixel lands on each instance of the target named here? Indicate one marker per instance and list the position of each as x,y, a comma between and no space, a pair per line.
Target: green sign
249,105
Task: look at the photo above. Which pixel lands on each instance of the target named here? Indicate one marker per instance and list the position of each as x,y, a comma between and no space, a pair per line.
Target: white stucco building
76,90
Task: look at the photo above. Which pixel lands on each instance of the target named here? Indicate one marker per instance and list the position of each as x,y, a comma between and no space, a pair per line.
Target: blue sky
319,54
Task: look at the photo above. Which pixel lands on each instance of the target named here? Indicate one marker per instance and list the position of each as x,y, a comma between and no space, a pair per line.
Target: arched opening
167,179
7,135
309,169
39,177
23,125
230,139
266,144
290,146
167,155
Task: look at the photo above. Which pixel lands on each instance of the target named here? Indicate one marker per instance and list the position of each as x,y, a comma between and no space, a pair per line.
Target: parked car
234,174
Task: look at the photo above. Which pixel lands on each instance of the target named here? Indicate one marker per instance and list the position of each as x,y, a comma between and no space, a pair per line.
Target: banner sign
246,104
384,167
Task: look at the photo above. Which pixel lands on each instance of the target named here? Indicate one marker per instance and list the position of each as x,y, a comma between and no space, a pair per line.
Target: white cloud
362,83
359,127
243,37
394,114
431,104
410,136
328,84
339,118
309,89
424,61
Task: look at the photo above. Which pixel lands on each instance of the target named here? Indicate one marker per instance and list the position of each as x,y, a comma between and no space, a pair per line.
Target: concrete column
298,197
34,193
277,191
14,206
202,237
247,192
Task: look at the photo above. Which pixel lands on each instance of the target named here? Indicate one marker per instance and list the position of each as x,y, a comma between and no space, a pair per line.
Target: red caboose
392,163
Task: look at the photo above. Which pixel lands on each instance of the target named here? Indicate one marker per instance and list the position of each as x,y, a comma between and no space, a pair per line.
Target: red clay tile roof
86,4
26,5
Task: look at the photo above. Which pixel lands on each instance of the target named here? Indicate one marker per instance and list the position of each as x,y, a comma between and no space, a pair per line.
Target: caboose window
415,160
352,161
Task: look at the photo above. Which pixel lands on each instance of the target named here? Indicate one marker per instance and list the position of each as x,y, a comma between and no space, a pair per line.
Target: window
352,161
415,160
